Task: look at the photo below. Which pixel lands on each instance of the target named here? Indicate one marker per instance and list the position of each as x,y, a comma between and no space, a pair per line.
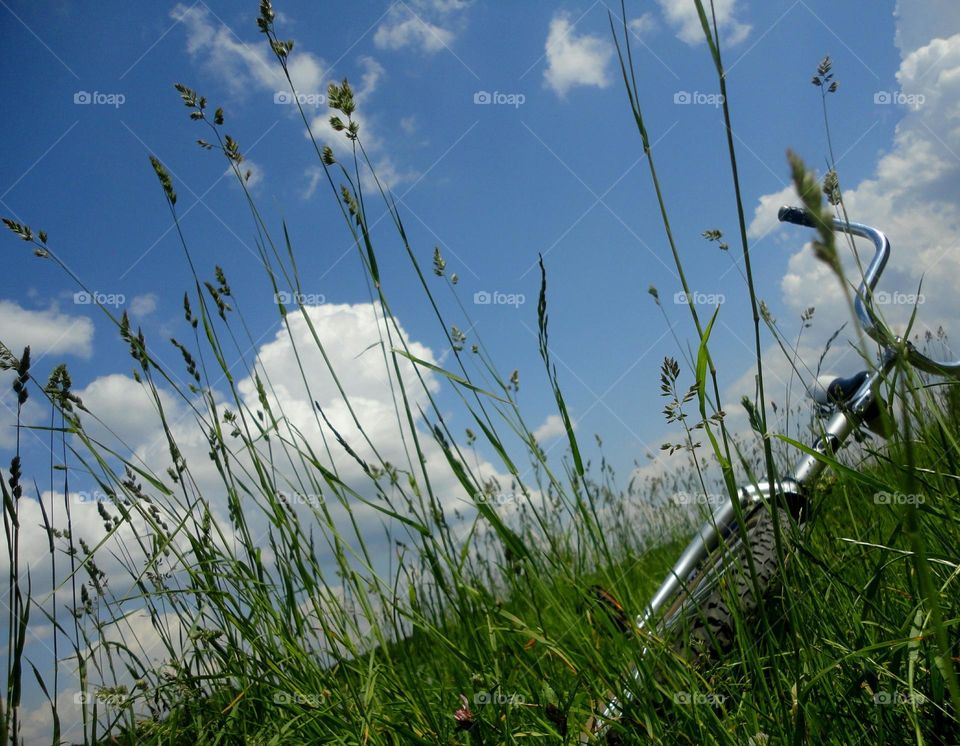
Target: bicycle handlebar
871,324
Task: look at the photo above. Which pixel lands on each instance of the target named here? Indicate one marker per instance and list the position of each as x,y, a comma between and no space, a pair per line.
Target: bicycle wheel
702,621
701,624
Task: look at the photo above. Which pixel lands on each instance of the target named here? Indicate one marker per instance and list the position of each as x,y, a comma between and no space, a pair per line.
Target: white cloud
574,60
251,172
406,26
551,428
643,24
314,174
409,125
143,305
126,408
765,214
127,421
443,6
683,17
351,335
238,63
911,197
48,332
372,73
245,67
347,331
390,173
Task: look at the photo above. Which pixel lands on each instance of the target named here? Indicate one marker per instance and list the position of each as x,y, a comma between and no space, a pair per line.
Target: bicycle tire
700,623
703,615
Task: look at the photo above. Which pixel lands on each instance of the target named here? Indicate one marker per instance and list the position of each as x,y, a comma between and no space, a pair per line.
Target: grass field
276,619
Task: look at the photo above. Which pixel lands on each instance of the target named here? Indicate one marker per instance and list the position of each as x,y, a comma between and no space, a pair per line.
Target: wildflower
464,715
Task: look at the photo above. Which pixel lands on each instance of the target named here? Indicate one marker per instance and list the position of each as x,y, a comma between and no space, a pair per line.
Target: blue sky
559,174
552,165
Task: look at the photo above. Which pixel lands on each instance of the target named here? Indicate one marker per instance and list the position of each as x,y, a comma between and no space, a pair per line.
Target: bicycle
691,595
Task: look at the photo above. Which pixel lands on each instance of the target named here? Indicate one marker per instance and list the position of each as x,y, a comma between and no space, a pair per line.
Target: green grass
486,628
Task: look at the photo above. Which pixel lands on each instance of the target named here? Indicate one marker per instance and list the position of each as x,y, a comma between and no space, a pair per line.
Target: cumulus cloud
683,17
911,196
406,29
425,25
389,171
551,428
143,305
574,59
251,172
347,332
124,409
643,24
370,78
354,336
49,332
238,63
244,67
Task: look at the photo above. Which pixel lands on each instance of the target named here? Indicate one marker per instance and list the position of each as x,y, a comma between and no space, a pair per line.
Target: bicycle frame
846,419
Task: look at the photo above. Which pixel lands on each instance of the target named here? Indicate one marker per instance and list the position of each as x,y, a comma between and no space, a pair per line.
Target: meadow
260,613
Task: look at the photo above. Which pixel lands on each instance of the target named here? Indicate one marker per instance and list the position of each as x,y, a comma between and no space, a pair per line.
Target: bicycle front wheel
734,581
731,583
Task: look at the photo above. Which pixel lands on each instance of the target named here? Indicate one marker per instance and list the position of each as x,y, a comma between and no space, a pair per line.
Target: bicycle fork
722,523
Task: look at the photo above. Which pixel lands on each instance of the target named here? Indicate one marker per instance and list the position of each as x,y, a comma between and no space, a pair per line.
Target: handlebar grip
795,215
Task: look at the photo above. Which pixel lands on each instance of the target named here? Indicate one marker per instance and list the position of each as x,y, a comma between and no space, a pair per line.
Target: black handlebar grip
795,215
